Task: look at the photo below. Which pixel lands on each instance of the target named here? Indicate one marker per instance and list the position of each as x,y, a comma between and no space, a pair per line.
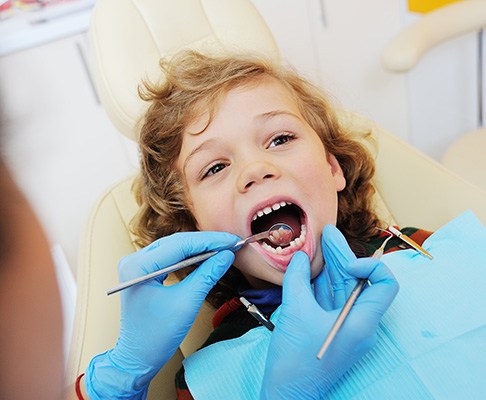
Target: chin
265,280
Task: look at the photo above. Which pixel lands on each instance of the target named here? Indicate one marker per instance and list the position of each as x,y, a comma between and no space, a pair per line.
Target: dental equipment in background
257,314
279,234
349,303
409,241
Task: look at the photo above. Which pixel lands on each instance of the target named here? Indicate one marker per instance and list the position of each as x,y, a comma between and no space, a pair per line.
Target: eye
281,139
213,169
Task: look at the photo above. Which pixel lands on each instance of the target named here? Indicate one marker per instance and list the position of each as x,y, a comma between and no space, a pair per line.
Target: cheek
210,211
317,263
313,165
317,179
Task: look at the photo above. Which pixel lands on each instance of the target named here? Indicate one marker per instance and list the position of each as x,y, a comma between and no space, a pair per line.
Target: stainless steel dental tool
257,314
279,234
349,303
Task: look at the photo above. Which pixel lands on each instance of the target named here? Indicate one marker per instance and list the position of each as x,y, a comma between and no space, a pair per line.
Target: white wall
442,93
62,149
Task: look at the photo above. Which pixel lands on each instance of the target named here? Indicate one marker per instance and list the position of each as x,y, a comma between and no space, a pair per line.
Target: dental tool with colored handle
349,304
410,242
279,234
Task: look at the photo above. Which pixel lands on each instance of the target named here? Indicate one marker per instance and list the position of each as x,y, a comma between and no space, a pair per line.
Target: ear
337,172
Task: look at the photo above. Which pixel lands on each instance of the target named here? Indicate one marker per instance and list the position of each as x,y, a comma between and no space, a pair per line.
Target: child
236,144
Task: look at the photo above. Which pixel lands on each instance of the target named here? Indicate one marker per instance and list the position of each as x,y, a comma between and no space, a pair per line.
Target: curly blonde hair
194,83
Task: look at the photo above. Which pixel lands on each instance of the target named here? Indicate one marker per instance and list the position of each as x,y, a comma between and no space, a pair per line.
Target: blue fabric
266,300
431,341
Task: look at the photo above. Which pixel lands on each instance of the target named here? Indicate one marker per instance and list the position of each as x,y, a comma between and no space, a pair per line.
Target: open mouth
280,212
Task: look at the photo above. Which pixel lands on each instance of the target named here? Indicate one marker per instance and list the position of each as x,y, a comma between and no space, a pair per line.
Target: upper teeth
269,209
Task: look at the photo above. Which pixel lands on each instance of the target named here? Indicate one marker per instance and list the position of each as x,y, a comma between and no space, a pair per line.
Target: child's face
257,154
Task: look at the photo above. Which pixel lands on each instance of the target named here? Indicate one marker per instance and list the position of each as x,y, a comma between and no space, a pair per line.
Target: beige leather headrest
128,38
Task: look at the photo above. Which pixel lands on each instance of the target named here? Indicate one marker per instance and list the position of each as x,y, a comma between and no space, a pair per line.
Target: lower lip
280,262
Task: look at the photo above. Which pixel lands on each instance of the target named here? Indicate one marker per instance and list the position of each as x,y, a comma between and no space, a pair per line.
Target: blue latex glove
292,370
156,318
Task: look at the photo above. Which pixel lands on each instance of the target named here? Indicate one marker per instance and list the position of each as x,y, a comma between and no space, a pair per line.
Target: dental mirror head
280,234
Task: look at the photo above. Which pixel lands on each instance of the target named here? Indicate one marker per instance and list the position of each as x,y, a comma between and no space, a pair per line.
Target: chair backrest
128,37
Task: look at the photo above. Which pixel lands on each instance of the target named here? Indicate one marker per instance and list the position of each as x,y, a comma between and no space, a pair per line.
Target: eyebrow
276,113
196,150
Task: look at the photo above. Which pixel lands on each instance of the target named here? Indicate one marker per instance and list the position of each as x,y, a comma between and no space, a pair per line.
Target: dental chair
466,155
128,37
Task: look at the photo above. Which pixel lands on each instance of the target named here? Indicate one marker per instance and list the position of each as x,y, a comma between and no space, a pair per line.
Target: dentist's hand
156,318
307,314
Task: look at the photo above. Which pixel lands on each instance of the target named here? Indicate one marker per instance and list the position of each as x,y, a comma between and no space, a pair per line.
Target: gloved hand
292,370
156,318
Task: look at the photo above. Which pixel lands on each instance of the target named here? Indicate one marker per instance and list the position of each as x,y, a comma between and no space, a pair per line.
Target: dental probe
275,234
410,242
257,314
349,303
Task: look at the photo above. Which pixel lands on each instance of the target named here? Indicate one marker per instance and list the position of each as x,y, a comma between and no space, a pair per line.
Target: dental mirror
279,234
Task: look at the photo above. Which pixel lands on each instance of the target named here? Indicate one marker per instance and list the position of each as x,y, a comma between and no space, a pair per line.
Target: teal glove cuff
105,380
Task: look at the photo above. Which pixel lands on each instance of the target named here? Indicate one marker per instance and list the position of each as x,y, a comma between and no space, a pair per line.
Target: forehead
265,95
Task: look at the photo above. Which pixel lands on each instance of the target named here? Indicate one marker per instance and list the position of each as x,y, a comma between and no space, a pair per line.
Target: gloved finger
296,283
384,287
323,291
341,285
172,249
335,246
337,256
204,277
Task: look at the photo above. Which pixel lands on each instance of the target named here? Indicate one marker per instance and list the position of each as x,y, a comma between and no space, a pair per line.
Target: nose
255,173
